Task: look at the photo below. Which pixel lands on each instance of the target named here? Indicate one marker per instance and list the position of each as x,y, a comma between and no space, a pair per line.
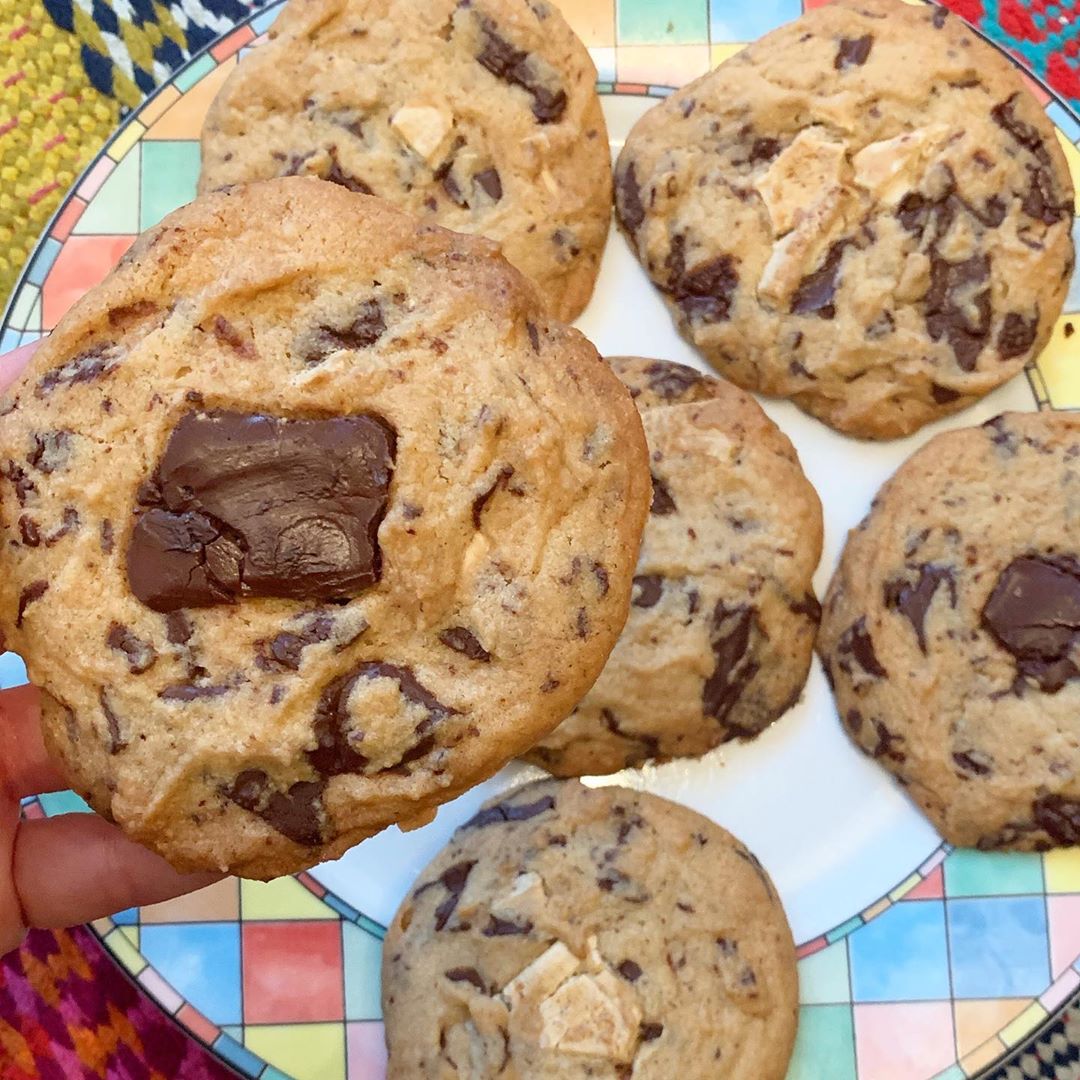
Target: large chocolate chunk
913,600
453,881
245,505
628,199
857,645
1058,817
853,52
514,67
1034,614
706,292
508,811
817,290
1017,335
337,739
295,813
730,639
958,306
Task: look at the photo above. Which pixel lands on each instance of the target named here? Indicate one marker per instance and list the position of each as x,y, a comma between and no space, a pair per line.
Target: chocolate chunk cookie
568,931
480,116
723,615
865,211
291,508
952,631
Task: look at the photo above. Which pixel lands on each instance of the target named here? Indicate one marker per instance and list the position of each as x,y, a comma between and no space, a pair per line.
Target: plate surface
915,961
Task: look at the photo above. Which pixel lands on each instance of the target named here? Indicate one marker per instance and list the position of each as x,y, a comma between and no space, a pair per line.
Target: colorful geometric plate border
906,989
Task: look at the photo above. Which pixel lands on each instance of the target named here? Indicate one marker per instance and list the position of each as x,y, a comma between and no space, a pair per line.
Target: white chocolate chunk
526,899
799,177
595,1015
542,977
889,169
423,128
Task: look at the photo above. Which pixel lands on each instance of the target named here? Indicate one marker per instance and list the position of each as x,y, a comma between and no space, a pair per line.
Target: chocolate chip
366,328
1017,335
227,334
250,505
706,293
630,971
69,523
582,624
490,183
337,175
130,313
1058,817
729,638
549,685
650,1031
534,336
763,149
28,531
285,651
508,811
453,881
808,607
465,642
296,813
1004,115
466,974
88,366
853,52
974,761
650,743
481,500
497,927
194,691
31,594
140,654
949,302
24,486
662,502
178,628
51,451
856,644
881,327
116,740
107,540
671,381
512,66
628,199
944,395
913,600
335,750
1033,612
816,291
648,590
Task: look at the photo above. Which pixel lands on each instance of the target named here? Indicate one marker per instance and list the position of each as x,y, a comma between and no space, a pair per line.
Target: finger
25,767
12,923
76,867
12,363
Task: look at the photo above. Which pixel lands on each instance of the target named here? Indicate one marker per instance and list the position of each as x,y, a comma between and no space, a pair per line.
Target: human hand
74,867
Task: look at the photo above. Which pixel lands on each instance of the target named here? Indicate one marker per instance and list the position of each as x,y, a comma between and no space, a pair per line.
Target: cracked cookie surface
865,211
723,614
951,631
482,117
290,505
568,931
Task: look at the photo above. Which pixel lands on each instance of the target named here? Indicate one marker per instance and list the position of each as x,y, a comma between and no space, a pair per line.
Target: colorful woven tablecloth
70,70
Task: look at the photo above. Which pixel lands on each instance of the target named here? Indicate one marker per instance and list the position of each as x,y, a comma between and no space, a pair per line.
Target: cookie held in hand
291,505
